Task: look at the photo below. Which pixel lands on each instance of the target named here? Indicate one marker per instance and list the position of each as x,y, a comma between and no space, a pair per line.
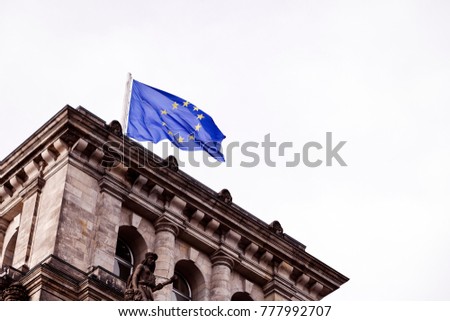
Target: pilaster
28,220
109,207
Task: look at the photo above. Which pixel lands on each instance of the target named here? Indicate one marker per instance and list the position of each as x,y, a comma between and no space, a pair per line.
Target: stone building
81,205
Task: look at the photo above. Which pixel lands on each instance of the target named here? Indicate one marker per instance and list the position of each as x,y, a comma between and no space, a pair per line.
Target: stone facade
77,186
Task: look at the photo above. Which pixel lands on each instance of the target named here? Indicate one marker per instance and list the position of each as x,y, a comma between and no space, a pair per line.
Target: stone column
166,233
222,266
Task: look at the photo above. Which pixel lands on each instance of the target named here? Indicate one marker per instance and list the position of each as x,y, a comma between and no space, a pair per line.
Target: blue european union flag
155,115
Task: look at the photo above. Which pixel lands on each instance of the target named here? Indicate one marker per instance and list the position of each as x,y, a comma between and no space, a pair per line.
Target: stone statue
142,283
116,128
276,227
225,196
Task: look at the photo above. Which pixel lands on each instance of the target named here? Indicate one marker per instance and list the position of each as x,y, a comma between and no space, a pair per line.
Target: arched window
8,256
130,248
181,289
124,260
190,284
241,296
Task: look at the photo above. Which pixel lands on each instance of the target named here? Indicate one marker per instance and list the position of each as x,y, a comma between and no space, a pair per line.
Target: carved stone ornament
116,128
5,282
10,287
172,163
142,283
15,292
69,138
275,227
225,196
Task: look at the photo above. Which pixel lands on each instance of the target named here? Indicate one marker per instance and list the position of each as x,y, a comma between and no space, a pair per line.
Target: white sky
375,73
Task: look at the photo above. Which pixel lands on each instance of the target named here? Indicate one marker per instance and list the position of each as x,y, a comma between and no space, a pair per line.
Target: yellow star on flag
191,137
164,124
164,112
197,128
185,104
175,105
170,133
200,116
196,108
180,139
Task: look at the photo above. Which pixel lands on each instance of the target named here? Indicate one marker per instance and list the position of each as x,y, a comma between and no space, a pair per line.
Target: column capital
33,186
167,226
221,258
15,292
277,289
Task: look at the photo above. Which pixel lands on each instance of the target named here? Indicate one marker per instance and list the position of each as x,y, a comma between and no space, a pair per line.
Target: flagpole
126,102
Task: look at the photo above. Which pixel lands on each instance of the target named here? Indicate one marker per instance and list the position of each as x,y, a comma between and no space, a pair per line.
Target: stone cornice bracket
221,258
138,183
32,169
60,146
48,156
177,205
196,217
231,238
316,290
11,186
69,138
212,226
266,259
4,193
16,182
303,281
94,155
119,172
166,226
166,197
283,269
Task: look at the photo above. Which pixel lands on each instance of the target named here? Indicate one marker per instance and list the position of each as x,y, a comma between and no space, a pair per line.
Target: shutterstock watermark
247,154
